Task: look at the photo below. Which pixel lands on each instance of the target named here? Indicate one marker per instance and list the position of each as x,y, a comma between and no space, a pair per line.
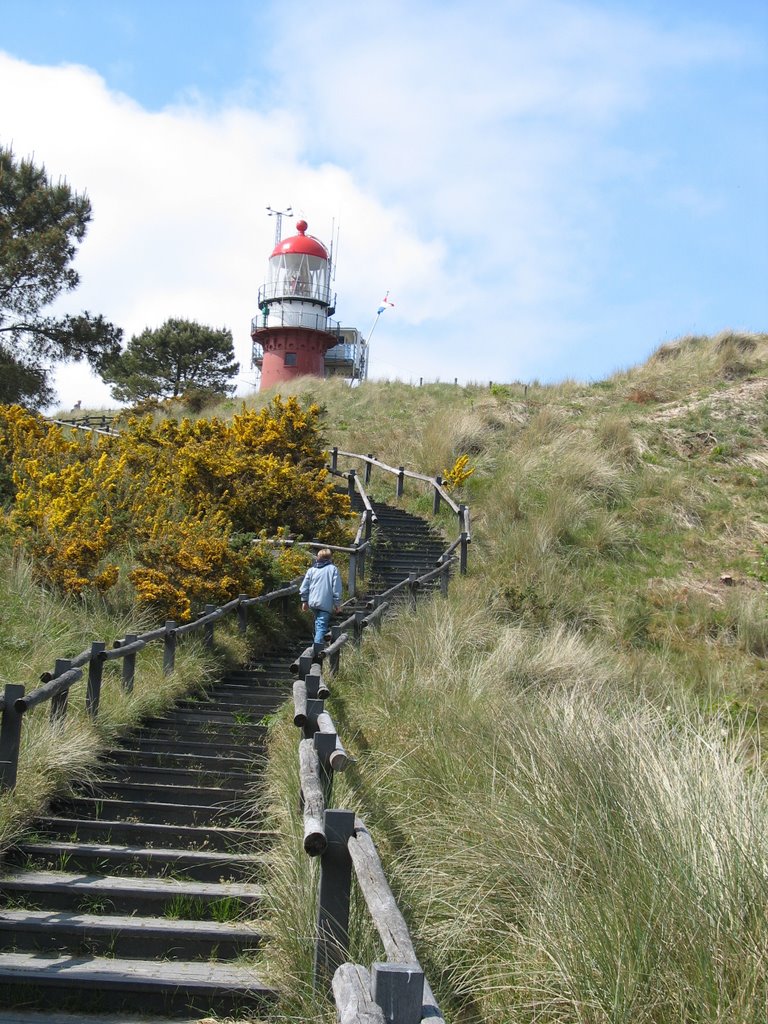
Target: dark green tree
181,356
41,226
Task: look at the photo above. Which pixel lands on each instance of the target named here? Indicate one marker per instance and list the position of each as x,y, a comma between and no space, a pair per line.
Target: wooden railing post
359,616
95,673
368,468
464,541
242,613
400,481
169,647
352,581
368,524
60,700
129,664
208,627
332,943
444,579
10,736
305,664
336,656
436,501
398,989
412,577
325,744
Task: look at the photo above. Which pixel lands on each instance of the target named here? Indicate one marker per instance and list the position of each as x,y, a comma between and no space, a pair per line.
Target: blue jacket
321,587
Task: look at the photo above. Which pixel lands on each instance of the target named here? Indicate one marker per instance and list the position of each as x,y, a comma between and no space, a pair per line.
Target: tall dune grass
561,762
36,629
567,849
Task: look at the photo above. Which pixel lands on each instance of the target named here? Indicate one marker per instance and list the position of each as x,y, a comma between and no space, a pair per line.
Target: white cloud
465,153
179,225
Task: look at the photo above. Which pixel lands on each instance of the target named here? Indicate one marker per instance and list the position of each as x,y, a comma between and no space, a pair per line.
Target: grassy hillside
562,760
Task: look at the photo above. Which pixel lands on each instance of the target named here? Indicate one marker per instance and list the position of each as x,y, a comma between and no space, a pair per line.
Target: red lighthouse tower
293,331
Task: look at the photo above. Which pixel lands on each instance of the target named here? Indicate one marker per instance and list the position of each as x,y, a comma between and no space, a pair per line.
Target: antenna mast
279,214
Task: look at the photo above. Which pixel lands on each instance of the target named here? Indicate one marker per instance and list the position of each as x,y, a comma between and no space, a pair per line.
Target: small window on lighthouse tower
290,359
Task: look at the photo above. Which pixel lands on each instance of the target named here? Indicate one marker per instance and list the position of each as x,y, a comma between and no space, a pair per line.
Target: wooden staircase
128,902
129,896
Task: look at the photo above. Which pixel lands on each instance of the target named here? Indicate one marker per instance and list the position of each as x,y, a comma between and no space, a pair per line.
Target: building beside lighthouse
293,333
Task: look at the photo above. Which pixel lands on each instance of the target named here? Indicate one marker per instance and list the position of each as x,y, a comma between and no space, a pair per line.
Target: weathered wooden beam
370,461
49,690
303,663
299,703
293,588
436,497
60,700
352,995
315,840
338,759
385,914
242,613
382,906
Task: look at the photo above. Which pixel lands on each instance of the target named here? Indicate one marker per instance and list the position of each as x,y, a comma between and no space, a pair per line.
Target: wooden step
125,936
139,792
169,775
124,895
158,836
114,859
179,759
152,985
187,744
159,812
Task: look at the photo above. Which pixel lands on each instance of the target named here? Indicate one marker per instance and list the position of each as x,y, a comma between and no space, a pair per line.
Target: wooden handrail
56,685
369,460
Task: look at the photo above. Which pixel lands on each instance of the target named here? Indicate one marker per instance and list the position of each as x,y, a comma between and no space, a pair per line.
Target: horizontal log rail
84,424
15,702
401,473
439,495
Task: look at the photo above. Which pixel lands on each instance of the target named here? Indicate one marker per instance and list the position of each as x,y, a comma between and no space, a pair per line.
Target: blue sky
547,189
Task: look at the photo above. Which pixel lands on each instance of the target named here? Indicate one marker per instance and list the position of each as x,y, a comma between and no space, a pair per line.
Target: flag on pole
385,302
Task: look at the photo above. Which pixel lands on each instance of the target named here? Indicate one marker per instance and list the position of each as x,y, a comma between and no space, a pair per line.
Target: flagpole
373,327
379,311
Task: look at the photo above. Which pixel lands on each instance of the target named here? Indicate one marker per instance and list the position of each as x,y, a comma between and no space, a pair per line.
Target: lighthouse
293,330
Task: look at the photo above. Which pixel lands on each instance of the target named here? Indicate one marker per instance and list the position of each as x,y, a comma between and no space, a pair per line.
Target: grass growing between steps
36,629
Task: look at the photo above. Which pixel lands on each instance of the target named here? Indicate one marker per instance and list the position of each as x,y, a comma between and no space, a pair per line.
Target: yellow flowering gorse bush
179,502
457,474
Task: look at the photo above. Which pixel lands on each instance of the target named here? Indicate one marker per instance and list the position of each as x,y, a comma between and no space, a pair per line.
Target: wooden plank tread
158,853
64,881
109,973
55,919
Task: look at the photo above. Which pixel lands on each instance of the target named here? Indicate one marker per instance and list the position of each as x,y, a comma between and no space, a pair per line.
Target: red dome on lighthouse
301,244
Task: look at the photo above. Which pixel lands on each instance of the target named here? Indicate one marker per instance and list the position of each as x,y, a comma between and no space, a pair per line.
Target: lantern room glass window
296,275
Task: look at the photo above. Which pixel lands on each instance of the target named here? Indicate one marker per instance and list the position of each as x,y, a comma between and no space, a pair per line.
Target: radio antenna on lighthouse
279,214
